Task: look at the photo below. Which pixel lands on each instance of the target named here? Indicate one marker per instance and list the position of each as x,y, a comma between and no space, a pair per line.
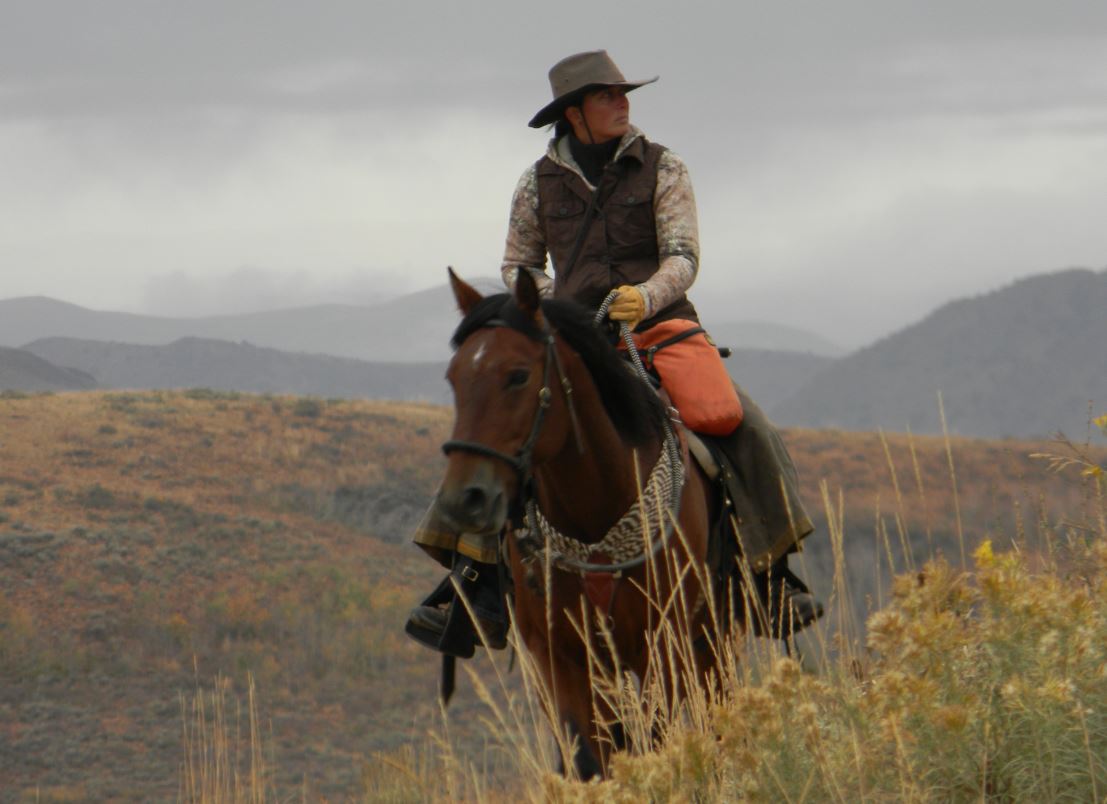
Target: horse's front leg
571,694
571,709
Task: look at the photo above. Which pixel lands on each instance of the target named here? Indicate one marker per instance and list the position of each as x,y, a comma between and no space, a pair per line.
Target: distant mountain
411,328
767,376
200,362
21,370
1024,360
770,377
765,335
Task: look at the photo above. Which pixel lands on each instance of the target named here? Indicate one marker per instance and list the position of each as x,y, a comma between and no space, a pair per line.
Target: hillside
23,370
150,542
199,362
1024,360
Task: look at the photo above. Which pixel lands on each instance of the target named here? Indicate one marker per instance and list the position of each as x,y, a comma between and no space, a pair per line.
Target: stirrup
450,638
450,629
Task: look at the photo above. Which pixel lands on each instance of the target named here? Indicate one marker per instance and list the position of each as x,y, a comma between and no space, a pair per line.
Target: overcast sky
855,163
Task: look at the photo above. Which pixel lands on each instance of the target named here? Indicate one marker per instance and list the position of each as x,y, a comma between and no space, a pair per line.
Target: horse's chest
599,588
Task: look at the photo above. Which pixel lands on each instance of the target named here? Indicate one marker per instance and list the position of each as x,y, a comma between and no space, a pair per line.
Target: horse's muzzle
475,504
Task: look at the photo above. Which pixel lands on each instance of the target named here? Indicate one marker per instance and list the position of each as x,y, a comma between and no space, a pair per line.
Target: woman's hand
628,306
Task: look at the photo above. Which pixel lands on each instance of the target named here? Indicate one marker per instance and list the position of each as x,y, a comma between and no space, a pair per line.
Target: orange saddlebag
693,374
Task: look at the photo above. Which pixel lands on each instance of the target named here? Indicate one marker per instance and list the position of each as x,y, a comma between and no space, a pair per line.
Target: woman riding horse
616,212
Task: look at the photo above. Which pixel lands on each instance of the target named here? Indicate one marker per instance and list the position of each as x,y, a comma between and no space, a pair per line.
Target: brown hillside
150,542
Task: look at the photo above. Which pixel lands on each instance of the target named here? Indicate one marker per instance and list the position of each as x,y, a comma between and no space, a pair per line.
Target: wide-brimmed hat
571,77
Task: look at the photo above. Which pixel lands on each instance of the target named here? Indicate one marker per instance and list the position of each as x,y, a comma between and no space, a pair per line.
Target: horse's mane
633,407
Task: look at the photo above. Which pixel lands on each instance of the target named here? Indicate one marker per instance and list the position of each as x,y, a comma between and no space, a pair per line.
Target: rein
671,442
626,538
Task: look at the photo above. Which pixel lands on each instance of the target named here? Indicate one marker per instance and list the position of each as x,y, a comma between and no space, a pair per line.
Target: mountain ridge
222,365
21,370
1026,359
411,328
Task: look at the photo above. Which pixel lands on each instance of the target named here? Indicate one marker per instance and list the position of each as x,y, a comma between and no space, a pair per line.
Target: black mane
633,407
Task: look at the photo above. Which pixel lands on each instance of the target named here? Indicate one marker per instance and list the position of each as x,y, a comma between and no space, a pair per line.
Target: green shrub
308,407
211,394
96,496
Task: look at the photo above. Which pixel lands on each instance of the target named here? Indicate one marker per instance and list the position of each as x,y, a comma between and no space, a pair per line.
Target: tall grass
980,680
224,749
984,679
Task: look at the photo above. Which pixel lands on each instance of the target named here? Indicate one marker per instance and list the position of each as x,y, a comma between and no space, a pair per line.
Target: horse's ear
526,293
466,295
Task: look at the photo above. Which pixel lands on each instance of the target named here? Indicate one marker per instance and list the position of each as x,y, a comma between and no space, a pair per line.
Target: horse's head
510,409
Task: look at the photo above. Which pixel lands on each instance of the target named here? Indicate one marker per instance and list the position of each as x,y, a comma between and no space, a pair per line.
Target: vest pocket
565,207
562,217
630,220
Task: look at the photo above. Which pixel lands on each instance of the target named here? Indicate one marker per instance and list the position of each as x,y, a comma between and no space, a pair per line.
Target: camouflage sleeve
526,244
678,240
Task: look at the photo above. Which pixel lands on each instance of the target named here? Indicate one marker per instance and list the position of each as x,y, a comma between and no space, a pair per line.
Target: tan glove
629,306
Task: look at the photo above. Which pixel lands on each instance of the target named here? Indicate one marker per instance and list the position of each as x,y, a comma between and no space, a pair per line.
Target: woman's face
607,112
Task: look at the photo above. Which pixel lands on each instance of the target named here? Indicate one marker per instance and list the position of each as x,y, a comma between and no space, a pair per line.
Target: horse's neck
583,493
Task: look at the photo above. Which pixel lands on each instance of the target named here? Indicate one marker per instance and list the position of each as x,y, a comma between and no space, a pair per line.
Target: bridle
522,462
522,510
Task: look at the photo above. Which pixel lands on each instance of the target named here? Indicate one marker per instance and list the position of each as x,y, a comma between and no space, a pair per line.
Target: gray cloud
250,289
117,54
150,149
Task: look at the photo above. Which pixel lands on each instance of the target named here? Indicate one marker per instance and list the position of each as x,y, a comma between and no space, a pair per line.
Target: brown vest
620,247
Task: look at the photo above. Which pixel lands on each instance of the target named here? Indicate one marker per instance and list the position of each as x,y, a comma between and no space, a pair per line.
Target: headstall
628,543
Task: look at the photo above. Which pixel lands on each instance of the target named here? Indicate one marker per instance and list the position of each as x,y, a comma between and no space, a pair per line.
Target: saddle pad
693,373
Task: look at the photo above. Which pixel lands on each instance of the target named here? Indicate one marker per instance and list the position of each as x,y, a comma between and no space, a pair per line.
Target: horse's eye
517,378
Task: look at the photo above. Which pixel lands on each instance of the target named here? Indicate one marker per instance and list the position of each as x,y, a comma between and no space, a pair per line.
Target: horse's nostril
473,501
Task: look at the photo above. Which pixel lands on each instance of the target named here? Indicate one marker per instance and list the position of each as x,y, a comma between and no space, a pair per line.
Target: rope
636,360
625,543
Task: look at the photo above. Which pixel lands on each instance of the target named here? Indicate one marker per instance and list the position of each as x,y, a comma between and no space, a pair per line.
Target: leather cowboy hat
574,75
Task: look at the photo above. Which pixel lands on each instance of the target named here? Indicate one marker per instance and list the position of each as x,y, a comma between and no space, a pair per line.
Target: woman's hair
563,126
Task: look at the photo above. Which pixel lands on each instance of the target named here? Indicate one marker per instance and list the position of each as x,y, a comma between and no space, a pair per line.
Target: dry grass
145,535
224,758
978,682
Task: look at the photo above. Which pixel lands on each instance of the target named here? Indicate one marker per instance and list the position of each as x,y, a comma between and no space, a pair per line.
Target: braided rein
629,538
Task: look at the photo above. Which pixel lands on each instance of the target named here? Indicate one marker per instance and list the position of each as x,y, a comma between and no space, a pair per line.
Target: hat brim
552,111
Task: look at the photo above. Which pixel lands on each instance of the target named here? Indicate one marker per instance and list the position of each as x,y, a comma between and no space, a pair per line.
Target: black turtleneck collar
592,158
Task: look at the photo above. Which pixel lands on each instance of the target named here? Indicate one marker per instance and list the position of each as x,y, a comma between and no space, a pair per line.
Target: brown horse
550,423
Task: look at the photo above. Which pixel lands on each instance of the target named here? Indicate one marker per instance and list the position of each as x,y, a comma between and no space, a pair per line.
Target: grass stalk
953,482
